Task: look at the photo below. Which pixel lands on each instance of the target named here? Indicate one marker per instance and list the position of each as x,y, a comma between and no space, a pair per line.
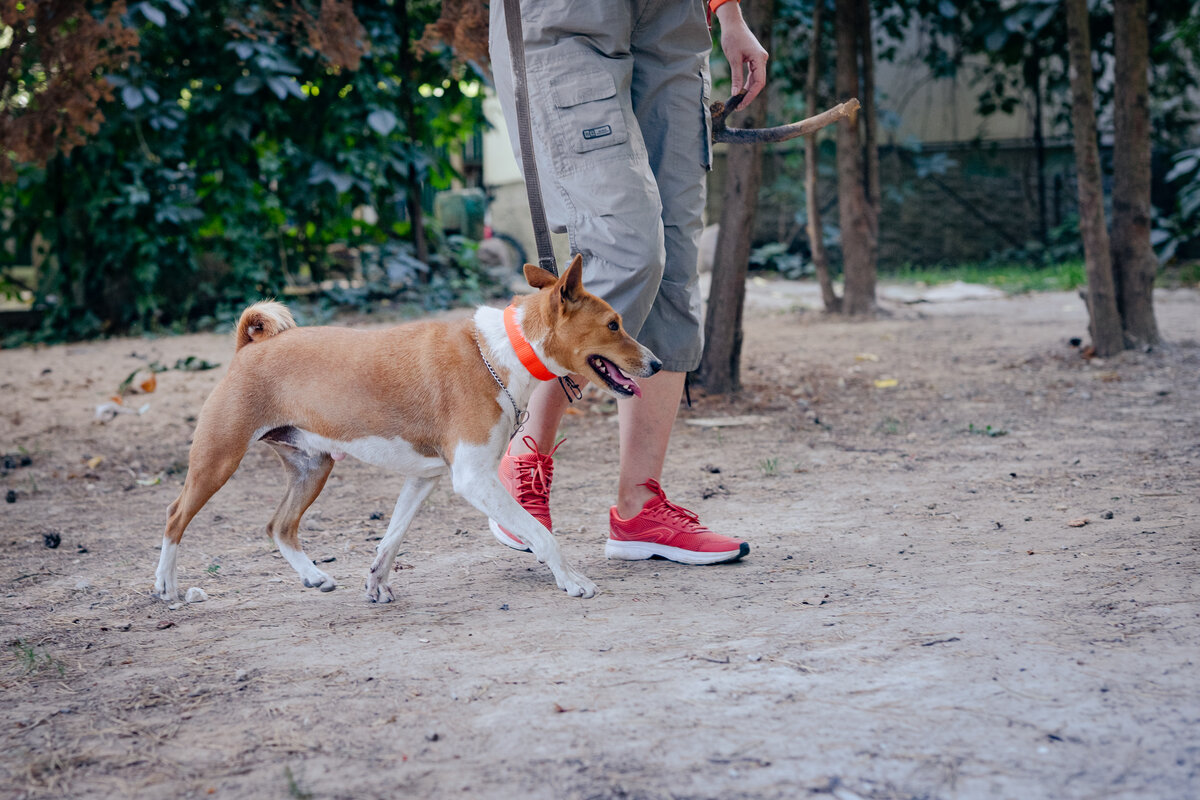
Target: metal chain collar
519,416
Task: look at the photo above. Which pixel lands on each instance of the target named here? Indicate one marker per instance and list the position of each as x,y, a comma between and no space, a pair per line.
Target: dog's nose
655,366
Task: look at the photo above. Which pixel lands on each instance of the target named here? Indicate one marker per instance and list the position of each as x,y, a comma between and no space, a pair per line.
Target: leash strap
533,188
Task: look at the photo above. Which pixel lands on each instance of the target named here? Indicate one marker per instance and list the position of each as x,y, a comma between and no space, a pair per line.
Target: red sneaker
527,478
668,531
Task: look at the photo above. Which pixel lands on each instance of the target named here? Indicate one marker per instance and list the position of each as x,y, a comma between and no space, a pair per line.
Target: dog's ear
570,283
539,278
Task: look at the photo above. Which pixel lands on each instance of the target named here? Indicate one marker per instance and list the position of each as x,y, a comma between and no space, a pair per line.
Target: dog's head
583,334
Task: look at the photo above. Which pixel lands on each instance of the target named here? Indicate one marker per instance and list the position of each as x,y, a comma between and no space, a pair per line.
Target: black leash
533,188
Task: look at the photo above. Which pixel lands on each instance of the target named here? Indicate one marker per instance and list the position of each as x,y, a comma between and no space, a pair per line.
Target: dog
424,399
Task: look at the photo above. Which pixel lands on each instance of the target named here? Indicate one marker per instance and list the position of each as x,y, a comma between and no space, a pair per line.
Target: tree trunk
816,238
1105,321
1033,81
1133,259
870,127
412,193
853,211
720,365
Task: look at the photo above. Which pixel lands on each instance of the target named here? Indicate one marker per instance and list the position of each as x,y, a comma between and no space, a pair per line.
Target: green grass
769,467
1012,278
33,658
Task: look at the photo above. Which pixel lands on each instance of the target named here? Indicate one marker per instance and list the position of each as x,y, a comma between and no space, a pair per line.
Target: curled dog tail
262,321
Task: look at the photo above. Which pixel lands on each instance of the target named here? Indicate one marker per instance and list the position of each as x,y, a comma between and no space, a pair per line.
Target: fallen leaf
150,384
886,383
1078,523
95,461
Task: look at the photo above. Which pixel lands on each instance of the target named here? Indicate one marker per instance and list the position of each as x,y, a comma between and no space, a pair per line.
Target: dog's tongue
621,379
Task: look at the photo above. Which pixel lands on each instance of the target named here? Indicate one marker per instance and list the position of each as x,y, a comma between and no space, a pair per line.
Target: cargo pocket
589,111
706,147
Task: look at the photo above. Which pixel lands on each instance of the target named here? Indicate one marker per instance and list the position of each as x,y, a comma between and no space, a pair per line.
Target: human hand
745,55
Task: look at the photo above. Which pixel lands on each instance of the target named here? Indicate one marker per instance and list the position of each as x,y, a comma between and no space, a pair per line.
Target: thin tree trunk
1033,80
720,366
1134,262
870,127
853,214
816,238
1105,321
412,193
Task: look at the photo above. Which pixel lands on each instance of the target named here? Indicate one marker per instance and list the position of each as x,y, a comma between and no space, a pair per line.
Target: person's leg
645,425
599,189
670,50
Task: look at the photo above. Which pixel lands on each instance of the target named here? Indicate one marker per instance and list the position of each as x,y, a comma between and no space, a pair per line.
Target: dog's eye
614,326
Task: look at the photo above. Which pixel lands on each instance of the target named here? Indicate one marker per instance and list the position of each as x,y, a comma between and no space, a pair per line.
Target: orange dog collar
523,348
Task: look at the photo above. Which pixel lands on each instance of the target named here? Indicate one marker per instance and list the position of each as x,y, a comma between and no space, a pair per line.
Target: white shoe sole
507,540
640,551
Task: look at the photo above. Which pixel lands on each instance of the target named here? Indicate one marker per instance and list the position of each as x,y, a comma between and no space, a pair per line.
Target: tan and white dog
424,399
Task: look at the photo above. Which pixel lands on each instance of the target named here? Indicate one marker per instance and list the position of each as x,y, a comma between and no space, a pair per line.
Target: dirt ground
922,614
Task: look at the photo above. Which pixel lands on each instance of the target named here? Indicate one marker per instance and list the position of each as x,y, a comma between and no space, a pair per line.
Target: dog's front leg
413,493
476,480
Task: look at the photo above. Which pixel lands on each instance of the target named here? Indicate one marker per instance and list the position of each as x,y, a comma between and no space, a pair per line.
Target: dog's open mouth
612,376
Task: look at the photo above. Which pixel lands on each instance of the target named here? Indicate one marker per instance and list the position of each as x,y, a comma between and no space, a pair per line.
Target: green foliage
1014,277
232,159
1183,223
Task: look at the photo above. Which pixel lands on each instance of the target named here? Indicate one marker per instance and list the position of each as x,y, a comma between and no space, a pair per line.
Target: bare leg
546,408
307,474
413,493
646,424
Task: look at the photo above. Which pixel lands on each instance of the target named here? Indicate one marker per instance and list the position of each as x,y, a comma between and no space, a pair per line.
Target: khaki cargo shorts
619,94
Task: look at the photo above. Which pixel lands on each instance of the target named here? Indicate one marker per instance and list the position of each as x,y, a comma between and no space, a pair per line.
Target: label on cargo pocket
596,133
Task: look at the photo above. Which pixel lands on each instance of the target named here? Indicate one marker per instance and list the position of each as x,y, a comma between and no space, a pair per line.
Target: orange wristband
713,5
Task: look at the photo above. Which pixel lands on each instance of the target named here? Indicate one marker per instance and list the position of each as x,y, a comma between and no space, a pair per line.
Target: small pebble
11,497
432,736
754,657
195,595
241,676
175,606
1106,515
51,540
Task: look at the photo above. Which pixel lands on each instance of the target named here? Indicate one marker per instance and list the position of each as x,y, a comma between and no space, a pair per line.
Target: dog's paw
166,596
380,593
320,581
168,593
576,585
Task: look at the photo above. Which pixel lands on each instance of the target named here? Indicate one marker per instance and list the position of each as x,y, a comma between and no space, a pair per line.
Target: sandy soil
917,618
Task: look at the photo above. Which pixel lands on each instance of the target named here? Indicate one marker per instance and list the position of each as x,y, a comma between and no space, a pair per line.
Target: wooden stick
780,133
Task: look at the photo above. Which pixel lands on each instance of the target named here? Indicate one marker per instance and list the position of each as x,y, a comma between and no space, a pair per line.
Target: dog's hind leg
217,449
307,473
413,493
475,478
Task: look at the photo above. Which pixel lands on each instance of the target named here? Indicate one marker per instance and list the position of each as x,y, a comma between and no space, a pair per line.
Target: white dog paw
380,593
320,581
576,585
164,592
167,596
